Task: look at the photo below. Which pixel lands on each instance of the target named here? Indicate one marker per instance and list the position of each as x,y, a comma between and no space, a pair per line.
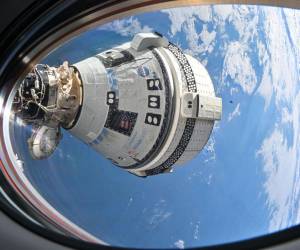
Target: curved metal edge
166,119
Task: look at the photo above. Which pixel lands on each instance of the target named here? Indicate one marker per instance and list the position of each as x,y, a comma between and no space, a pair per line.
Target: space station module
144,105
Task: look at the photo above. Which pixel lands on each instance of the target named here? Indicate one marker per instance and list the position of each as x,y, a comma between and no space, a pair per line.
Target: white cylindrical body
144,105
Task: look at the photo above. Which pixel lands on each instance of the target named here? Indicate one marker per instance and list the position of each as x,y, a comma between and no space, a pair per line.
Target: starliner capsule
144,105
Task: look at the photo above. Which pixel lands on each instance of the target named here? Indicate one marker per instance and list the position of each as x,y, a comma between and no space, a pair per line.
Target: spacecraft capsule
144,105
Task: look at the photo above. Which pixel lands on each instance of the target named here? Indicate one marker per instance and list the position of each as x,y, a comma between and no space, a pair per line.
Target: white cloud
282,57
278,57
235,113
207,37
286,116
159,214
129,202
237,65
126,27
281,167
233,90
245,20
265,88
223,12
293,19
179,244
60,152
280,62
210,149
185,19
180,17
262,53
196,230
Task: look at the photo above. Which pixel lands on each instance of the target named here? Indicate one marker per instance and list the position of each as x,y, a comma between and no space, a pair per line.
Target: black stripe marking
197,101
190,122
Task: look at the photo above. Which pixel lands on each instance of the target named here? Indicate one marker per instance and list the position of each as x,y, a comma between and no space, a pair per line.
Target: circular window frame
43,27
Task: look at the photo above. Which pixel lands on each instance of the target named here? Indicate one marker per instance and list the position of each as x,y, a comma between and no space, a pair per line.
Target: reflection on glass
243,183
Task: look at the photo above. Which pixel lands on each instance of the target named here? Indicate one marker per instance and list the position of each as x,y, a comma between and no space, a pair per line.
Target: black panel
109,61
154,84
153,119
154,101
110,98
122,121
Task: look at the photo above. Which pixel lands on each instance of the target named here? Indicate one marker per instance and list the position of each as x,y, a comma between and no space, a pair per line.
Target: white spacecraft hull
156,132
144,105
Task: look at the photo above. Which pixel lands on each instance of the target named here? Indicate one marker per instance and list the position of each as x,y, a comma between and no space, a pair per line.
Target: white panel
94,109
142,41
201,106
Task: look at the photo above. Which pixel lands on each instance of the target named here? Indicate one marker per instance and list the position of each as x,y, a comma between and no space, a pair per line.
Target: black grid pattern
190,122
185,67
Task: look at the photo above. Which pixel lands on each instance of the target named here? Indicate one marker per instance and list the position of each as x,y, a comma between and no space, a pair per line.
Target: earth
243,184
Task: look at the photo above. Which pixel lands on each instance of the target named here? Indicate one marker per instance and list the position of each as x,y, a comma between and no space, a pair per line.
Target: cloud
245,20
237,54
237,65
281,168
280,62
186,19
235,113
234,90
223,11
159,214
196,230
126,27
210,154
237,62
281,56
275,34
181,17
286,116
179,244
129,202
207,38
